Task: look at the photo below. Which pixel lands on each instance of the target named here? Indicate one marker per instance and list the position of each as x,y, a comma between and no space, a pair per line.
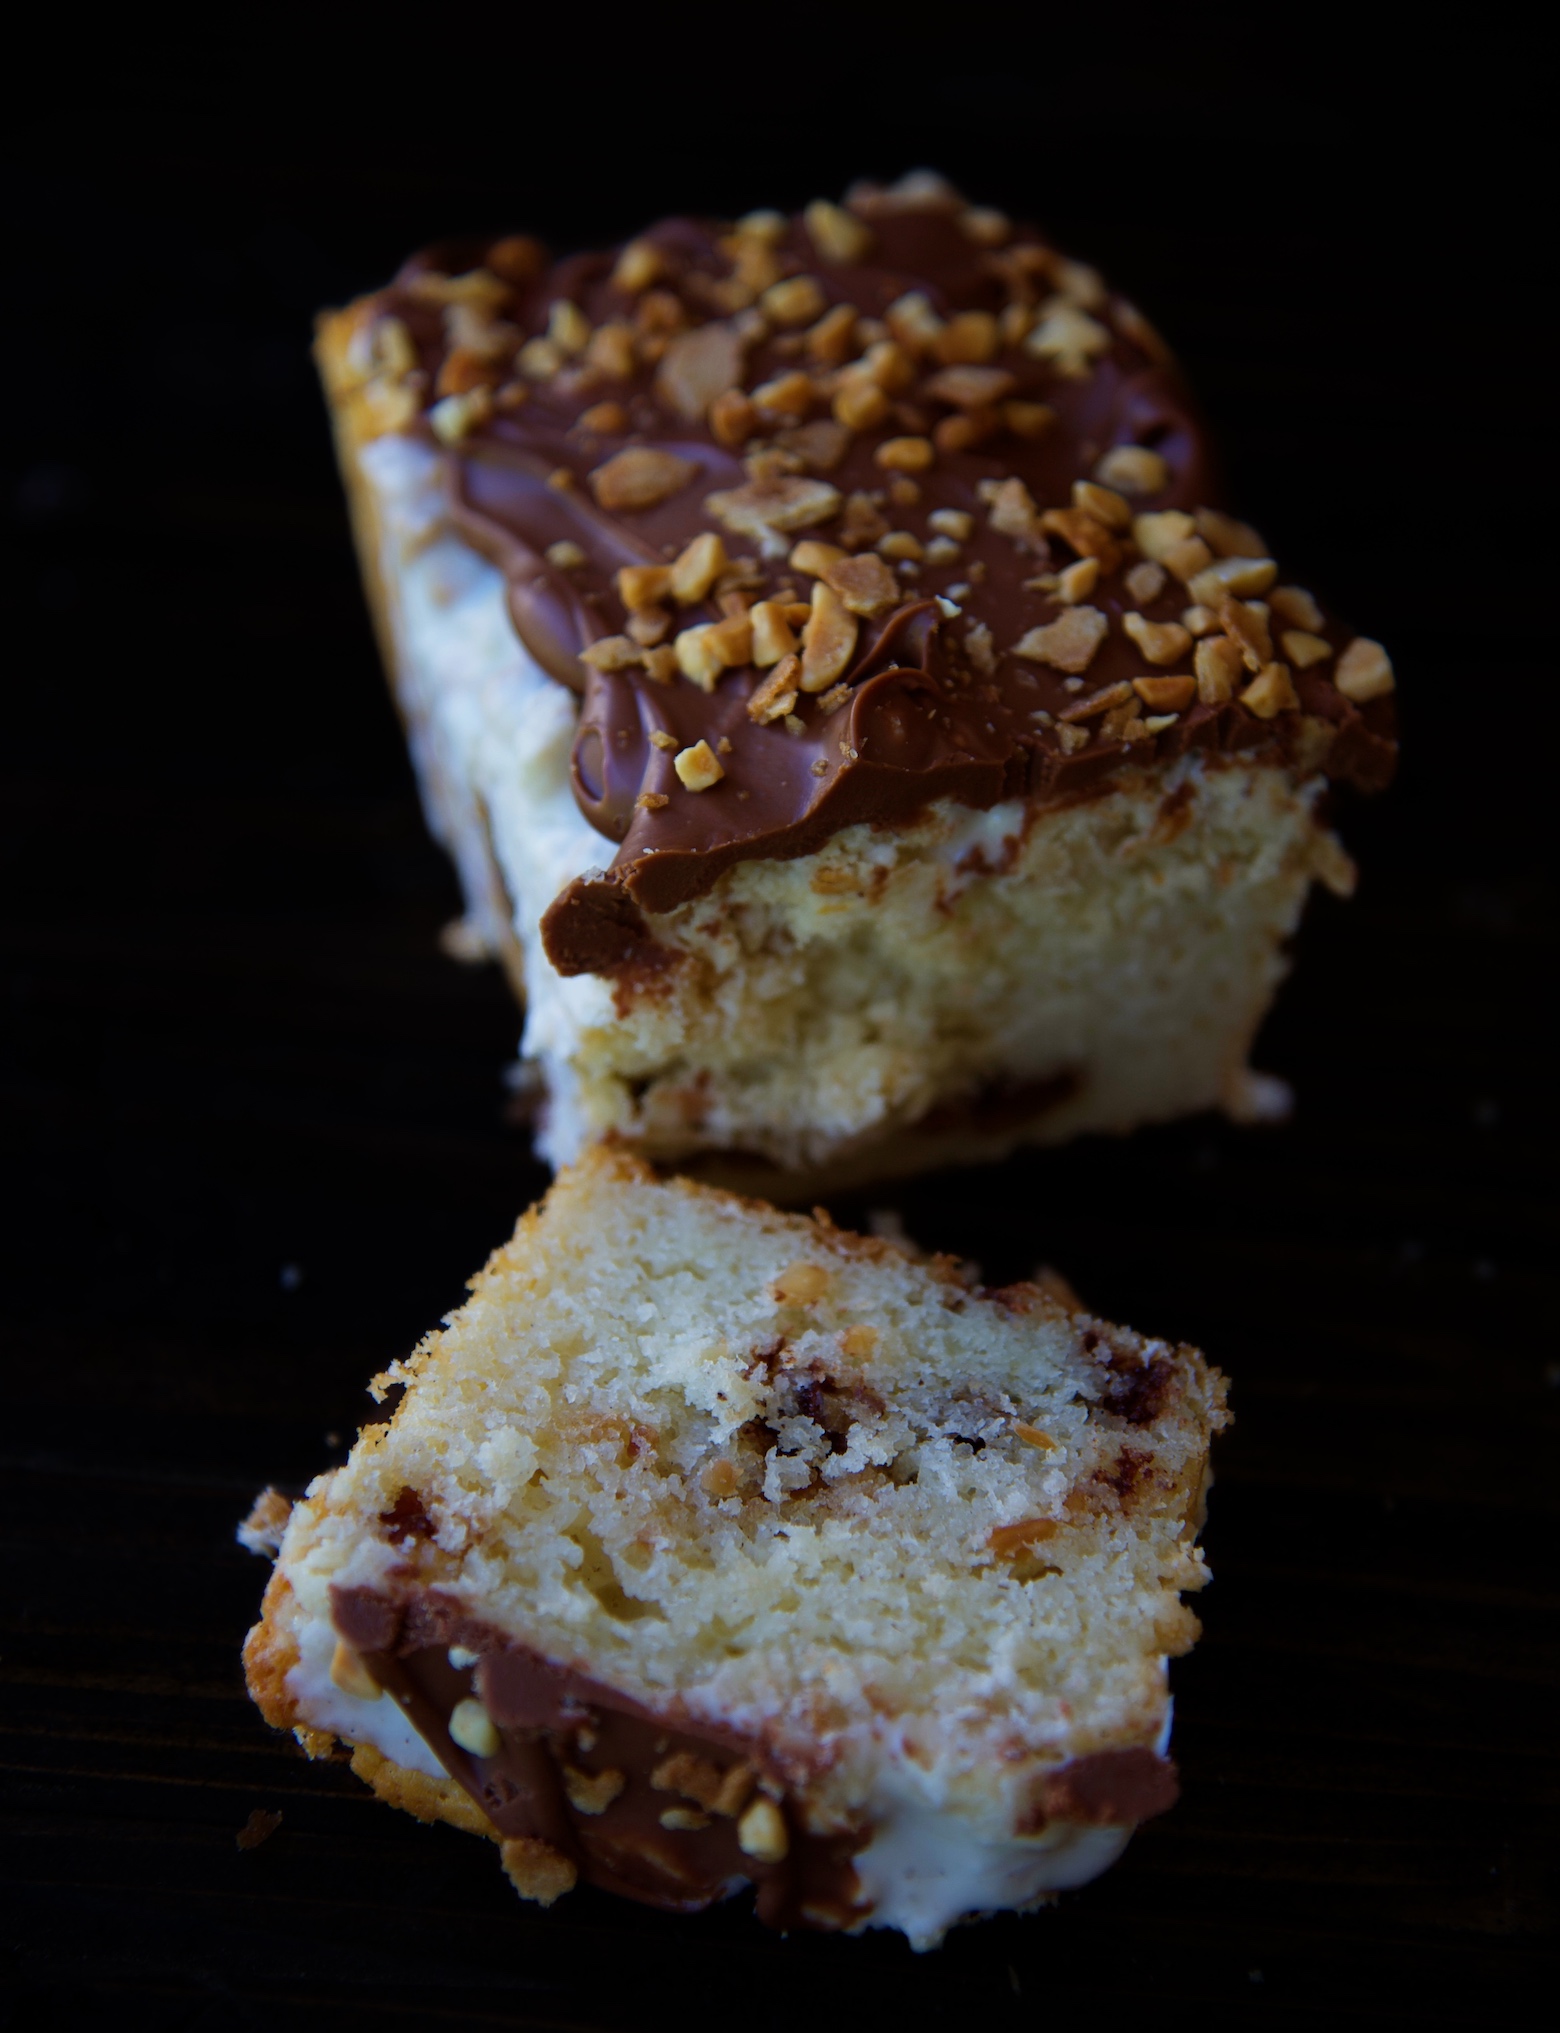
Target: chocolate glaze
554,1721
925,717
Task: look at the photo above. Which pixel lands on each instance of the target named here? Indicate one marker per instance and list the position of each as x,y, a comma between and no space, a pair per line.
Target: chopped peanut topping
592,1792
1145,582
682,1818
611,351
789,395
1098,702
518,259
699,657
661,664
859,404
1229,538
639,478
796,301
1068,337
1304,649
1089,538
1246,625
458,415
814,558
348,1672
1219,666
1238,575
1166,695
864,583
1295,605
659,738
565,556
1104,504
607,419
761,1833
1162,642
639,265
1156,536
772,637
899,543
568,328
766,509
732,419
970,387
1133,469
641,585
696,568
969,336
651,801
839,236
905,455
697,768
970,428
1072,739
828,641
1364,671
1068,643
1270,692
1028,419
954,522
776,696
611,653
1077,582
912,320
1013,512
697,367
985,227
832,338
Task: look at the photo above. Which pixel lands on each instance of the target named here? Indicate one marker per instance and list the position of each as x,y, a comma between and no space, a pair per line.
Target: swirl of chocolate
940,391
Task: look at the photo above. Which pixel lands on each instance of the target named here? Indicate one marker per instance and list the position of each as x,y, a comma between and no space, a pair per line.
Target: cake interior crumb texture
906,996
919,1547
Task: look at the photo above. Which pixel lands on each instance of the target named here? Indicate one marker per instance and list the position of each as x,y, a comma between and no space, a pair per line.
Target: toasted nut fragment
1028,419
954,522
768,509
1199,620
963,432
859,404
1133,469
1162,642
458,415
642,585
464,370
696,568
1156,723
1364,671
478,288
611,351
1238,575
1166,695
1270,692
697,768
1013,512
699,657
608,419
1293,604
651,801
639,265
1304,649
639,478
648,625
1229,538
1068,337
1156,536
1219,666
838,235
905,455
1068,643
862,524
888,364
766,227
776,696
1104,504
969,336
698,366
1106,701
611,653
831,340
1246,624
1006,1540
1145,582
472,1728
348,1672
733,419
568,327
789,395
899,543
985,227
802,1284
828,640
592,1792
1077,582
1034,1436
1089,538
518,258
1188,559
864,583
814,557
683,1818
733,634
565,556
796,301
912,320
761,1833
659,738
661,664
537,1870
1072,739
772,637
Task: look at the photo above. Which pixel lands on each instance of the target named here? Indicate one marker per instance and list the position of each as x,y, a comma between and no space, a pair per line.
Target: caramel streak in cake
832,517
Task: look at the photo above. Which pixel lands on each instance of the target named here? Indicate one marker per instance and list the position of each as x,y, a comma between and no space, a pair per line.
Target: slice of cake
860,728
709,1546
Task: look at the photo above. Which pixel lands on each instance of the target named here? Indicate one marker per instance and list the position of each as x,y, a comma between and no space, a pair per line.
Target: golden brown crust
270,1655
417,1794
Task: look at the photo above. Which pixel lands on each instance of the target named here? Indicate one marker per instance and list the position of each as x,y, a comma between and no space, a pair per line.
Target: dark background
255,1138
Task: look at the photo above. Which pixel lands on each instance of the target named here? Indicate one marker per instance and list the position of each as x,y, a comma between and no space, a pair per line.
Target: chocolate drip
938,707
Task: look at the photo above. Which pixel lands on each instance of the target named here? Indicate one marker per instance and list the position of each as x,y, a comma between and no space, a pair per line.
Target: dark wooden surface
254,1135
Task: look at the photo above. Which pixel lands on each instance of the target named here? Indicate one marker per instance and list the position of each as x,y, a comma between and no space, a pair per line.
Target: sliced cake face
710,1545
706,563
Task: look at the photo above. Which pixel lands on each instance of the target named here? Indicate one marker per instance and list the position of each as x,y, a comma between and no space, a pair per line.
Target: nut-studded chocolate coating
908,376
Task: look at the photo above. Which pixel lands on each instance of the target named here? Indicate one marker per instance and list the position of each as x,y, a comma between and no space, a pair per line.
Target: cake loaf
861,730
710,1546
